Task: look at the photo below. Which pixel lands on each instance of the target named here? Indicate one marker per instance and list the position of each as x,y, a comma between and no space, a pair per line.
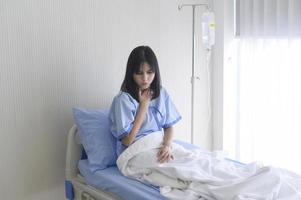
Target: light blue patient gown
162,113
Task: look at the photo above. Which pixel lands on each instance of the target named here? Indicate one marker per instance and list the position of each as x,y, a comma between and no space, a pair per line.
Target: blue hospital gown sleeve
171,113
122,115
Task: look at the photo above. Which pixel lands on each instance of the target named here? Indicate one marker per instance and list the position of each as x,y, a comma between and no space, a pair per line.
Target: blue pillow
96,138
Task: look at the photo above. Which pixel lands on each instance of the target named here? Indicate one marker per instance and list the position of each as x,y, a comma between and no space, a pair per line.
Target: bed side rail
73,154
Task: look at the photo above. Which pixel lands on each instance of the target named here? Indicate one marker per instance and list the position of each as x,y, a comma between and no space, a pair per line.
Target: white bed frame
77,188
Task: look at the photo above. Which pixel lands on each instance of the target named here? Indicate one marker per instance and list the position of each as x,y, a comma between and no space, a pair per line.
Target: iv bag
208,29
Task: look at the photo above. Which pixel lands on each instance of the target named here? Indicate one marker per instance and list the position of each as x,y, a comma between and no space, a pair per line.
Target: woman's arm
165,154
144,99
137,124
168,135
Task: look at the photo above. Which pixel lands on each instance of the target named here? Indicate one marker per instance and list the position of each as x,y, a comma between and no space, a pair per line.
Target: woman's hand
165,154
144,99
145,96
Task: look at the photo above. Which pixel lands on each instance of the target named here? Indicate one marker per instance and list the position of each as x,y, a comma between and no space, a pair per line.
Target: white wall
224,77
217,76
55,55
230,81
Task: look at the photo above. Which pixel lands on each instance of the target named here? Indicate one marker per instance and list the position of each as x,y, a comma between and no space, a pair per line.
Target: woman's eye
150,72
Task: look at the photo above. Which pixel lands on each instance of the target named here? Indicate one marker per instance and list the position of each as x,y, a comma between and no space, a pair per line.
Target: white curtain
268,18
269,82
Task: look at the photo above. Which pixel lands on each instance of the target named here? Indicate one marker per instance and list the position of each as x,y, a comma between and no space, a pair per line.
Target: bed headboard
73,153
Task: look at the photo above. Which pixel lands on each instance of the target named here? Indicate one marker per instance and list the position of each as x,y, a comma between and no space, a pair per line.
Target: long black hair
138,56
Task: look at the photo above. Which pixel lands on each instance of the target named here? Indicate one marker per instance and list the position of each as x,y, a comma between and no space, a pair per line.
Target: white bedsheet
198,174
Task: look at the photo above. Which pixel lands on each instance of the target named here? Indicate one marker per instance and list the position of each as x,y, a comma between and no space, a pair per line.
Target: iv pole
193,77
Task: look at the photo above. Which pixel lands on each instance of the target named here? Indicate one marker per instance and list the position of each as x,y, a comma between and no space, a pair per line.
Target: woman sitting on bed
143,106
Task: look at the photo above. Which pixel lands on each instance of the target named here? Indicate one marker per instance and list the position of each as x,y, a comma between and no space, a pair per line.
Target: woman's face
144,77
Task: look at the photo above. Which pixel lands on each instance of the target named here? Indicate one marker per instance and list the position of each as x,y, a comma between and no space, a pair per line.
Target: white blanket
197,174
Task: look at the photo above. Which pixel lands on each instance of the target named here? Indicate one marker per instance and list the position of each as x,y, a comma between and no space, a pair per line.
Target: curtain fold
268,18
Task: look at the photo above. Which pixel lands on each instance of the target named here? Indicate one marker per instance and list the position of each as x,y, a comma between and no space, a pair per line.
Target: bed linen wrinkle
196,174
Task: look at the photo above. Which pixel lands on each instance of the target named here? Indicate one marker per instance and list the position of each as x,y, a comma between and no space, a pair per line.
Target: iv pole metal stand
193,77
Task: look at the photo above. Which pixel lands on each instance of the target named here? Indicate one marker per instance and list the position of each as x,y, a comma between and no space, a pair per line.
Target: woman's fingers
164,155
145,95
159,153
165,158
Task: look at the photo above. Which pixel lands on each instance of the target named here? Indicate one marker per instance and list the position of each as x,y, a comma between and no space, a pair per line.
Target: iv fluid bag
208,29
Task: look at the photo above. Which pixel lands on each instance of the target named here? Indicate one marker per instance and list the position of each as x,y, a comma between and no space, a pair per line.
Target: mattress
112,181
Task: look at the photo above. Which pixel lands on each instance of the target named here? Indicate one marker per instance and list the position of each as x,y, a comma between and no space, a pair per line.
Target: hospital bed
96,176
107,184
75,186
